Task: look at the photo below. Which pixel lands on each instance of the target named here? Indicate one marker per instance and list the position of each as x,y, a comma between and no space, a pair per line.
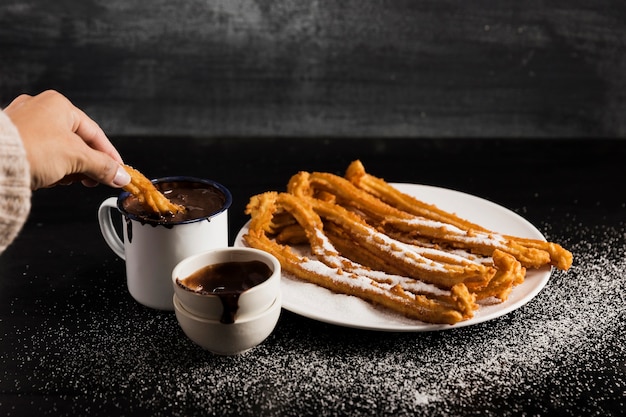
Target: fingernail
122,177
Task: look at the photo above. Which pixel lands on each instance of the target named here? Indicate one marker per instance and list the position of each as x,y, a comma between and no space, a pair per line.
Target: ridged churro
413,298
148,195
370,240
432,222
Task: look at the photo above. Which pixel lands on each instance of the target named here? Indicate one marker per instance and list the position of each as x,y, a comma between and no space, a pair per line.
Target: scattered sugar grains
563,349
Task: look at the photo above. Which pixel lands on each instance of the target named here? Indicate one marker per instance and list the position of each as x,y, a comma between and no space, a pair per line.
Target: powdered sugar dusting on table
312,368
563,353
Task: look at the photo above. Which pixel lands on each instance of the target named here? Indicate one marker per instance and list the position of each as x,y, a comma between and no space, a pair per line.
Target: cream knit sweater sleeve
15,193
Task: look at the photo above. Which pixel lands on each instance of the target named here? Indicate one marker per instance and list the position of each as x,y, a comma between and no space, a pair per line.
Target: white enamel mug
152,250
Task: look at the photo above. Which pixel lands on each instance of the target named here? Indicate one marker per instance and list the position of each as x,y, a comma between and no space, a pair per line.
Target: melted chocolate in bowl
200,199
227,280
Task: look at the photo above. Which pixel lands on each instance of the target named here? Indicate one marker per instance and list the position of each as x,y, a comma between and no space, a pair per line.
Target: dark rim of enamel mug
228,199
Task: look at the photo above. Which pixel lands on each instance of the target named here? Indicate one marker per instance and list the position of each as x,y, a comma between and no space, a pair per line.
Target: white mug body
152,250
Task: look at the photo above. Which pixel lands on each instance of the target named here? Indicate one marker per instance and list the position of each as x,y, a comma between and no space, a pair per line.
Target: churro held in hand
148,195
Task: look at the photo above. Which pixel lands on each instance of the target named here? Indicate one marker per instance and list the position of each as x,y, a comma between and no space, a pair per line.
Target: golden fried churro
367,239
483,243
377,187
509,274
528,251
407,296
411,263
305,184
147,194
439,225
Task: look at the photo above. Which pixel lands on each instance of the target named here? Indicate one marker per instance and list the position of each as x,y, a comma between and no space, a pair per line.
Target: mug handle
111,237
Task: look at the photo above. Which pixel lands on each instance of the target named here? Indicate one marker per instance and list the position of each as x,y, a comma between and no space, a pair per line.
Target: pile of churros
372,241
148,195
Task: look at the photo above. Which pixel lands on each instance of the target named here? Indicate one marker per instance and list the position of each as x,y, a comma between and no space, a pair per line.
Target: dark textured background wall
422,68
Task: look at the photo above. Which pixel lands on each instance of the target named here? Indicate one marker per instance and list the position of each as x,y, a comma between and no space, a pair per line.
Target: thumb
102,168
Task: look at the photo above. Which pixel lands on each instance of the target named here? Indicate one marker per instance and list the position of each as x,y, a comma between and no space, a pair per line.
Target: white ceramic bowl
251,302
228,339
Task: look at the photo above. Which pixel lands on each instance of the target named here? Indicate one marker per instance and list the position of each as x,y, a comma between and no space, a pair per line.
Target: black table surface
73,341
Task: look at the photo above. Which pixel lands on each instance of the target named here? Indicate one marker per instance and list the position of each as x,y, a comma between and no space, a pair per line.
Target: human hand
63,144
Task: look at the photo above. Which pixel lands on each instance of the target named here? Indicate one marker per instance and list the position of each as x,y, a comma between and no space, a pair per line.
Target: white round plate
314,302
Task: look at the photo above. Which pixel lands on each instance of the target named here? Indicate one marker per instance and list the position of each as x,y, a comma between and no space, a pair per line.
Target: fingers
103,164
63,144
99,167
81,124
91,133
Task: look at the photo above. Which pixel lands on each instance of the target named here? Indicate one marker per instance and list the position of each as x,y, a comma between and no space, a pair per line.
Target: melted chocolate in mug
199,199
227,280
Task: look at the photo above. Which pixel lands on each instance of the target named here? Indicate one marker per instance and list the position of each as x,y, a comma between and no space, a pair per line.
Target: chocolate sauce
199,199
227,280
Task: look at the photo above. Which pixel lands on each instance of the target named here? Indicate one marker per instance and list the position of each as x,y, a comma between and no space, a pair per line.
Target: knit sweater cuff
15,192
